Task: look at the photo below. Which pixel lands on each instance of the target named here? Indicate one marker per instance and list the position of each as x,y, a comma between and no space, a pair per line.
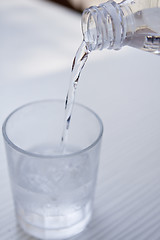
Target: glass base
61,233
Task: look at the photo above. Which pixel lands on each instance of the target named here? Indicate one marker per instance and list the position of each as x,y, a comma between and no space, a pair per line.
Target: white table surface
37,44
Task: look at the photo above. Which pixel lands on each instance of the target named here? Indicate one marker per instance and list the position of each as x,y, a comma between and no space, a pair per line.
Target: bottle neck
104,26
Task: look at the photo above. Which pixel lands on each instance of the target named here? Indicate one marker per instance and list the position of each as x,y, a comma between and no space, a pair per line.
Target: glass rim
21,150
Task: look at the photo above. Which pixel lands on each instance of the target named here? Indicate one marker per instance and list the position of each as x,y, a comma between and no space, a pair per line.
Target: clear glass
53,190
115,24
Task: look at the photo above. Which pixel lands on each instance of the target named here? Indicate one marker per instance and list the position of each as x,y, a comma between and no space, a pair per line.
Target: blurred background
38,41
77,5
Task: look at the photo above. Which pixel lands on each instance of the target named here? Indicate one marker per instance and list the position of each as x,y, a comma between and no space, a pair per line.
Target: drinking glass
52,188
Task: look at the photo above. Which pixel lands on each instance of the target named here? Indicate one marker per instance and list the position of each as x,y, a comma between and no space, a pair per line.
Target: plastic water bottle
112,25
